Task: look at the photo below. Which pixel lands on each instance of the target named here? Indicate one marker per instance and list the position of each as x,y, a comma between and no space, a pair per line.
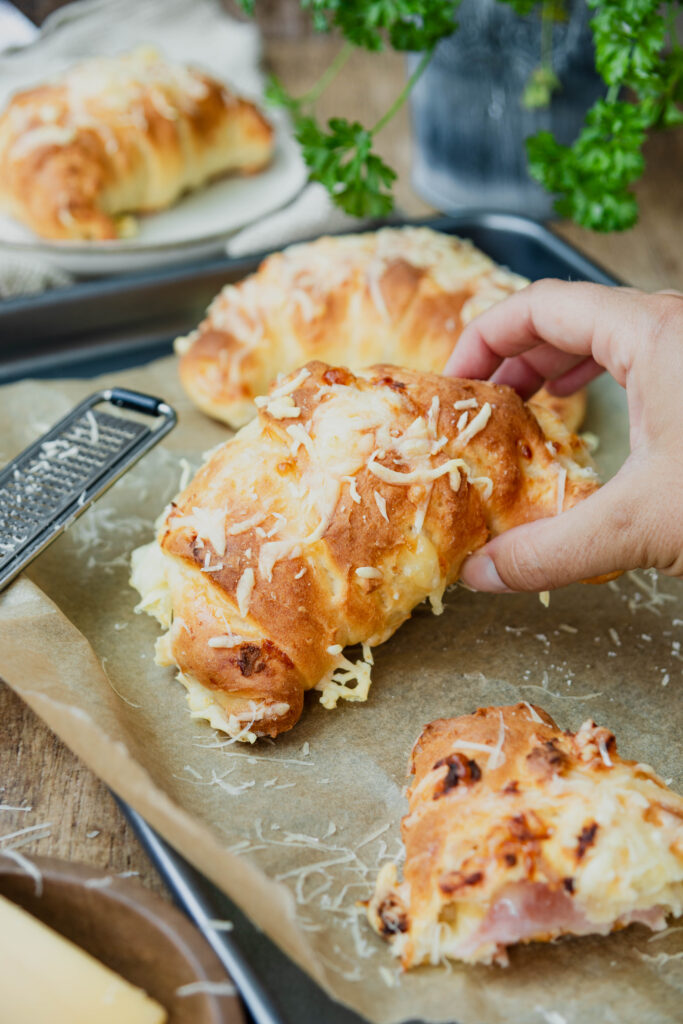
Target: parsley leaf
407,24
342,160
628,40
593,175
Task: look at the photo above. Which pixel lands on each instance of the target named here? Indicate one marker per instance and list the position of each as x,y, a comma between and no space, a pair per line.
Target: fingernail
479,572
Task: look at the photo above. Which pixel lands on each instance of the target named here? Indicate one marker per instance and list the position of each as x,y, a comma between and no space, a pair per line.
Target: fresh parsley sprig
637,53
341,156
593,176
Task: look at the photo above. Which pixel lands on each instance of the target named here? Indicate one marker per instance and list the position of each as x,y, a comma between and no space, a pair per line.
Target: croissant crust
119,135
322,524
397,295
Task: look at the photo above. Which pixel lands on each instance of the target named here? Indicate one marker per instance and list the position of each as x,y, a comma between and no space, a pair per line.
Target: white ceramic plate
197,226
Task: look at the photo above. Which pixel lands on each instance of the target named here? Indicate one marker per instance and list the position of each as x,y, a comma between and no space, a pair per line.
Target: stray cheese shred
244,591
476,424
381,503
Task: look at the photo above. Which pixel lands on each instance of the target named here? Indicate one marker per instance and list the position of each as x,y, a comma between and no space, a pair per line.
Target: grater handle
136,401
18,548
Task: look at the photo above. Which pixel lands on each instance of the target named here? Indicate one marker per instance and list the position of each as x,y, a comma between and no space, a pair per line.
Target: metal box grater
54,480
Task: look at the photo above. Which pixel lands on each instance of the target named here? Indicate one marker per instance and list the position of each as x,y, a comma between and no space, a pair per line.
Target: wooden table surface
81,821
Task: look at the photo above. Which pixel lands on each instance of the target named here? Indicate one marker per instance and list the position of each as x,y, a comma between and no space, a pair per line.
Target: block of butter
45,979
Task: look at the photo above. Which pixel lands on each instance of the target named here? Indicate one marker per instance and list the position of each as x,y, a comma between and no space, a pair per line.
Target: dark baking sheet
274,989
101,326
104,326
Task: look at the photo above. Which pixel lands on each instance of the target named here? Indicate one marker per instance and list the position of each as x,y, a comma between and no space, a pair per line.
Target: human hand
567,334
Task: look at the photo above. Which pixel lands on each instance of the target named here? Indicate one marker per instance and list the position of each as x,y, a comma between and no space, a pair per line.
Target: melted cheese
234,717
208,525
148,576
336,684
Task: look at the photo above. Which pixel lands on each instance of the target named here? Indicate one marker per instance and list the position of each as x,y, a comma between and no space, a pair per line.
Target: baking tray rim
450,223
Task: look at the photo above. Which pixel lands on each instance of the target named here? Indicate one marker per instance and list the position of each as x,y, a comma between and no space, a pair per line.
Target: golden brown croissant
398,295
116,135
325,521
519,832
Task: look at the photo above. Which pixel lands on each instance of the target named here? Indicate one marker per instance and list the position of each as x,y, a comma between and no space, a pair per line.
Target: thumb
604,534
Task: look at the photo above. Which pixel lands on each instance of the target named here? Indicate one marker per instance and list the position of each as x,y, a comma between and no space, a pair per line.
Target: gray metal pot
468,120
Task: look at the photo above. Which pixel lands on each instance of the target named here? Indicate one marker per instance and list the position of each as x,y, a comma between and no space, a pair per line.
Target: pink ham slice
532,910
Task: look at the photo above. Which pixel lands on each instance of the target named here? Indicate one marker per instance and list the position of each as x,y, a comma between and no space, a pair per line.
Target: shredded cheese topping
245,588
208,524
353,489
421,475
476,424
283,408
381,503
227,641
246,524
369,572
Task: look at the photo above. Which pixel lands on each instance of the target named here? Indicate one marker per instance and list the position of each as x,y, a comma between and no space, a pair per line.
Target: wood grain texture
35,768
38,772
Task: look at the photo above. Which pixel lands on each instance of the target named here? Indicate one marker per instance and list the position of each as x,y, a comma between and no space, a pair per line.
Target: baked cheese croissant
327,519
519,832
398,295
116,135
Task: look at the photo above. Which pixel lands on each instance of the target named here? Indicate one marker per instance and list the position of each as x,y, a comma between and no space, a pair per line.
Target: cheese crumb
244,591
368,572
282,408
381,503
476,424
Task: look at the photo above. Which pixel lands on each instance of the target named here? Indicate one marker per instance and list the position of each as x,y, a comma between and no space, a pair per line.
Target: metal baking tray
107,325
104,326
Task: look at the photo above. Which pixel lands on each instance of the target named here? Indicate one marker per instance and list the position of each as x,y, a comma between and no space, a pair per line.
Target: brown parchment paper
295,830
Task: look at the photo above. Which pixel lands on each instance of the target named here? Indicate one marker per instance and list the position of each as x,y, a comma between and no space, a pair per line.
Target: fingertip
471,357
479,572
518,375
451,367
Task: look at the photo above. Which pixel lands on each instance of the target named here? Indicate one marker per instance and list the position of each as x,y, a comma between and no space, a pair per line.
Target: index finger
577,318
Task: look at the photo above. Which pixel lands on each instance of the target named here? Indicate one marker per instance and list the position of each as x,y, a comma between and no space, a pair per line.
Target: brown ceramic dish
128,928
